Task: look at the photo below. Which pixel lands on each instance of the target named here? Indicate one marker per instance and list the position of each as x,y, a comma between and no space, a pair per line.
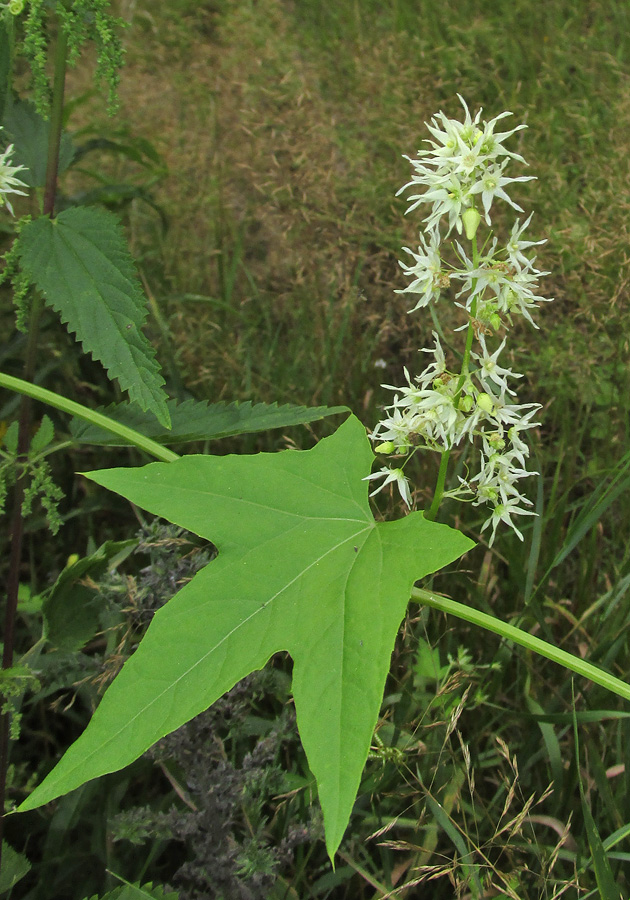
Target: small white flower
491,185
8,183
487,276
491,371
503,512
389,476
519,447
517,295
515,245
434,369
427,271
399,428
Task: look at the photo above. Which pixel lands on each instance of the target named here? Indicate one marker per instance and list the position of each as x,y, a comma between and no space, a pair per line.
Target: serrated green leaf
72,609
43,436
302,567
135,892
80,263
14,867
198,420
10,438
28,132
427,664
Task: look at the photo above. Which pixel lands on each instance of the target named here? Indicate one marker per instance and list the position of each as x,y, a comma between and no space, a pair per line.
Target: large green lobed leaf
302,567
81,264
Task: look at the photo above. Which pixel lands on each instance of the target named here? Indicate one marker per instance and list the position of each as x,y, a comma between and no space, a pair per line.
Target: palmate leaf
198,420
302,567
80,263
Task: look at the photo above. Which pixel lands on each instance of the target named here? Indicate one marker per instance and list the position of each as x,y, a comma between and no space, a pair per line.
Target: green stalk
89,415
512,633
56,123
446,455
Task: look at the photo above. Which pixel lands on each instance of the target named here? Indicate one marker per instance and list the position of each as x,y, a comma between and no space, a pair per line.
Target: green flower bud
471,220
495,321
386,447
466,403
486,403
496,441
15,7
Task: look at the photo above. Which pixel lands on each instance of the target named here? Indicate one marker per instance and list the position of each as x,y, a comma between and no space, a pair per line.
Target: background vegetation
273,137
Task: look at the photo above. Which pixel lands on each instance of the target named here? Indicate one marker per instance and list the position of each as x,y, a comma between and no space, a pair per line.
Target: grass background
282,125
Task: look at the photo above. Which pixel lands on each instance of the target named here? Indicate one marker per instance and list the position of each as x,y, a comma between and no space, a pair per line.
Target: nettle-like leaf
14,867
137,892
302,567
81,264
198,420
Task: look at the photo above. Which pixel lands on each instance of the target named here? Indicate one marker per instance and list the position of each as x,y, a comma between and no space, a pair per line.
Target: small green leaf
28,132
10,438
43,436
14,867
81,264
198,420
303,567
427,664
72,610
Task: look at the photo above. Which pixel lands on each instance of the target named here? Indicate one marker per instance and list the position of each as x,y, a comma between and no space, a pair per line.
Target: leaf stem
446,454
524,639
89,415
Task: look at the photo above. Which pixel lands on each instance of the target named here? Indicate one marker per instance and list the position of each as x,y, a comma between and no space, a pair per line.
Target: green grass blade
441,817
608,887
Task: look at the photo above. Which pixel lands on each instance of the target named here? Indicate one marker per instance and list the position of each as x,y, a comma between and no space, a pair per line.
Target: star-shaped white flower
8,182
389,476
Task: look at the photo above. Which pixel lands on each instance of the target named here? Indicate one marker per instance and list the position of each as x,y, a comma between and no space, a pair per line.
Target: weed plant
269,255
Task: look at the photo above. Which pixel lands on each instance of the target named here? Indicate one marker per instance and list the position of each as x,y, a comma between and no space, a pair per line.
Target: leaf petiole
529,641
89,415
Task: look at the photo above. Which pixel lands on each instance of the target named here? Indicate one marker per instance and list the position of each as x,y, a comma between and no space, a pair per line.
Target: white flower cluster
9,184
438,409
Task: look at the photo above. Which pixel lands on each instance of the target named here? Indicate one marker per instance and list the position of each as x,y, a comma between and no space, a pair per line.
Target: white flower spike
460,177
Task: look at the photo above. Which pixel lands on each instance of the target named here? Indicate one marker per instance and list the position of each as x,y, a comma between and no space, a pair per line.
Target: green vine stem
511,633
89,415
